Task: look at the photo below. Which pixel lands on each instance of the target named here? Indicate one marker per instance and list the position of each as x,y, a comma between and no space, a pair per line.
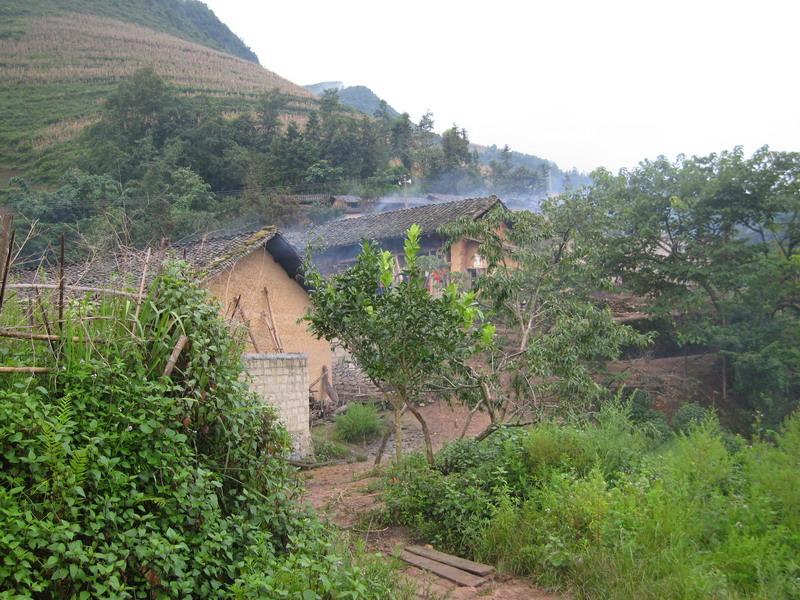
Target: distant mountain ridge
559,180
364,100
359,97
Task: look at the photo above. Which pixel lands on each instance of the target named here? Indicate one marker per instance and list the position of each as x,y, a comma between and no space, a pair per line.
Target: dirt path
345,493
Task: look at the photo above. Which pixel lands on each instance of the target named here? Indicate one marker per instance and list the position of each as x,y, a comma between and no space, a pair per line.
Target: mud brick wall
282,381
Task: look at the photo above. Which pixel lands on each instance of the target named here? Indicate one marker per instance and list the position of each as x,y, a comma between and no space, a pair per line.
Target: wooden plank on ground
444,571
453,561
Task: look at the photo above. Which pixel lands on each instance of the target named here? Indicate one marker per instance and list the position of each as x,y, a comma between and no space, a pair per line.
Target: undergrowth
608,510
117,481
360,423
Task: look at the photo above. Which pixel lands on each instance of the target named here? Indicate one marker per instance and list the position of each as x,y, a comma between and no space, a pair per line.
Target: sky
582,83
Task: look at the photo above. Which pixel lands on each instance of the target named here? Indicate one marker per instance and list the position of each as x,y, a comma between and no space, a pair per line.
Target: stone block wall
282,381
350,381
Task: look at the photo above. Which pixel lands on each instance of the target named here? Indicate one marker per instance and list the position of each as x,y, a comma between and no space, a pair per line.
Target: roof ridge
222,234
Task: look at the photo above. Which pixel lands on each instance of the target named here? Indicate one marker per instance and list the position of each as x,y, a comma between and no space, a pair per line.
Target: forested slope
60,60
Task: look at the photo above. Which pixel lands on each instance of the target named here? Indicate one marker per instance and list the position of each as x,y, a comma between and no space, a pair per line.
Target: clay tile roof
214,252
392,224
208,255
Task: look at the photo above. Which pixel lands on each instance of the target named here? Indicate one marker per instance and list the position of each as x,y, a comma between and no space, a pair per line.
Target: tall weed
605,511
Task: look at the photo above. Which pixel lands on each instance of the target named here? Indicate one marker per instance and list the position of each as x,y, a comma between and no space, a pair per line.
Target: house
336,244
255,274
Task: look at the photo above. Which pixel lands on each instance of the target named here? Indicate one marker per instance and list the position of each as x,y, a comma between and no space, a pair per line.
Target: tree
270,107
401,336
713,243
537,290
455,145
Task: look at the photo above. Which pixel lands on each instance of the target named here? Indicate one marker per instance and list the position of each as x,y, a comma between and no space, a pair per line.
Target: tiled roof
391,224
214,252
208,255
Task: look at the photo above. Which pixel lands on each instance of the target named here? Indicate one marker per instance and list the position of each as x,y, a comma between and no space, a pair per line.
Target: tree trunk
425,431
469,419
487,400
398,434
724,379
385,440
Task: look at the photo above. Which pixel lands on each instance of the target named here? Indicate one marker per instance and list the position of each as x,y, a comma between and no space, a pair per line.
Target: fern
78,464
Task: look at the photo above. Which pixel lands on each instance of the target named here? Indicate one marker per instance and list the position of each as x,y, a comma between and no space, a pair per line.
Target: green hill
359,97
60,60
190,20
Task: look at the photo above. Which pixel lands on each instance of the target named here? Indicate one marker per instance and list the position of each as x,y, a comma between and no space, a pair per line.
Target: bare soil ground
346,493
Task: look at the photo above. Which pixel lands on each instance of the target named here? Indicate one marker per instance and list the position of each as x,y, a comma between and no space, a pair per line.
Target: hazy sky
583,83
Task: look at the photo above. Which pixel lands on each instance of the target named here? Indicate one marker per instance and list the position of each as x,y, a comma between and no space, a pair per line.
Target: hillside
57,67
190,20
359,97
559,181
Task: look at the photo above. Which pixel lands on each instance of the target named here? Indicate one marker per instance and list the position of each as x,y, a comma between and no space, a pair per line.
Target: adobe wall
248,277
462,255
282,381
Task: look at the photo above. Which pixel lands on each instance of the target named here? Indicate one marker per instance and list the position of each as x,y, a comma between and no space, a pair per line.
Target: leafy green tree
537,289
329,103
402,132
144,106
270,108
401,335
322,172
713,242
455,146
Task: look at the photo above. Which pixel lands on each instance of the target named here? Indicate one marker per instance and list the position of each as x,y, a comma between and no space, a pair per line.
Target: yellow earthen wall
462,255
289,300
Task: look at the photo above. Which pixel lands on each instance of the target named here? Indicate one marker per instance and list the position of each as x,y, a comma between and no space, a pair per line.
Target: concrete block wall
282,381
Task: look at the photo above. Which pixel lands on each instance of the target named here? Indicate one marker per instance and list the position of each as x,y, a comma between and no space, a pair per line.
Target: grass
603,510
360,423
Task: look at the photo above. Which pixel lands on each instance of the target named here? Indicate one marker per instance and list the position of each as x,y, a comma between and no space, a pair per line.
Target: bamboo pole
265,318
26,369
141,284
6,267
235,306
45,319
249,330
278,340
6,221
72,288
173,358
61,286
42,337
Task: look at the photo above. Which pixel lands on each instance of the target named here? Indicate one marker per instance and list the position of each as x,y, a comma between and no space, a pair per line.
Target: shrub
360,423
460,455
325,450
652,422
552,446
687,415
117,481
605,511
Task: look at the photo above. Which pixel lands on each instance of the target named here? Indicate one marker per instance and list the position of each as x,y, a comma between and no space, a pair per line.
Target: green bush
325,450
652,422
688,415
461,455
422,498
605,511
117,481
360,423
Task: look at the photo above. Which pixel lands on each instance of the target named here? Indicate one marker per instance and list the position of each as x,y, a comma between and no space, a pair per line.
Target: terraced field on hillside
57,70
